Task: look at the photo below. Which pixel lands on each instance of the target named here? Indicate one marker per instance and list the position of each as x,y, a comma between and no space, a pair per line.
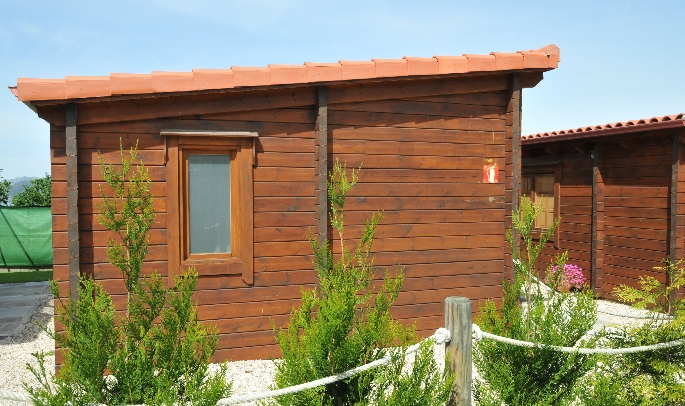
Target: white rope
441,336
651,315
479,334
19,397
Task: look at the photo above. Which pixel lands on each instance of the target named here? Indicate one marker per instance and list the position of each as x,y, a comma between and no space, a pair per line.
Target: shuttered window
539,188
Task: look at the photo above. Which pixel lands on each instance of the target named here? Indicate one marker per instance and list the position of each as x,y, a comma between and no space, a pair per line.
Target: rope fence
17,397
650,315
461,322
441,336
479,335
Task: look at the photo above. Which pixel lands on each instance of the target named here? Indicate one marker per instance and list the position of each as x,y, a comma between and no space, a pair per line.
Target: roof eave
15,92
664,125
293,85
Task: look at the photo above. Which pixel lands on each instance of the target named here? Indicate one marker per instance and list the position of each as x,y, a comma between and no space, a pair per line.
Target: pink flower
571,277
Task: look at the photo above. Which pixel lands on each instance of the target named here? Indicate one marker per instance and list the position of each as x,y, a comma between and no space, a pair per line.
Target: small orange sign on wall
490,173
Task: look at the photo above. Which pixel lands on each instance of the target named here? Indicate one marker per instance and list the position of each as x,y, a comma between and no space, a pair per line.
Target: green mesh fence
25,237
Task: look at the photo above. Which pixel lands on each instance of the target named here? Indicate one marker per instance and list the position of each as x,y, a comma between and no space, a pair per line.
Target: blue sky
620,59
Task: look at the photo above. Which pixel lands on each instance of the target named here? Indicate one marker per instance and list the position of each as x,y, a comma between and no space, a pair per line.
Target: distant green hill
18,185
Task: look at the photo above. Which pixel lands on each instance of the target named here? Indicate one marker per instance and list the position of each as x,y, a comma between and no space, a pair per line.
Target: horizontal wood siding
283,201
423,147
636,189
575,209
422,164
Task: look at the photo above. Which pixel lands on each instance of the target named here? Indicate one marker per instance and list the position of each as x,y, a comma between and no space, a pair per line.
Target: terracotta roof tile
622,127
481,62
534,59
204,79
286,74
86,86
246,76
323,72
390,67
421,66
172,81
358,69
130,83
554,54
508,61
311,72
41,89
452,64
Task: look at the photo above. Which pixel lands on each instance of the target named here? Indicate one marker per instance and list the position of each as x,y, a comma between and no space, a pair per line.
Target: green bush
652,377
654,293
5,186
38,194
344,323
423,384
157,352
532,376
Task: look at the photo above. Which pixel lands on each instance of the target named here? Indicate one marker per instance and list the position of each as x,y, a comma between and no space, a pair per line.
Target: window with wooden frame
210,202
541,185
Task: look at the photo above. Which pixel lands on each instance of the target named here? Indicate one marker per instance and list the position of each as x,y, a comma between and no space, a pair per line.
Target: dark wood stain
421,144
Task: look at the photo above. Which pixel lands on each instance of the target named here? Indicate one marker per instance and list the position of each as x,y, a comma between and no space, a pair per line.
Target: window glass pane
209,201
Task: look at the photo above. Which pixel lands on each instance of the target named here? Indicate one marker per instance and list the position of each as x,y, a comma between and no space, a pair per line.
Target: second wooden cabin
620,191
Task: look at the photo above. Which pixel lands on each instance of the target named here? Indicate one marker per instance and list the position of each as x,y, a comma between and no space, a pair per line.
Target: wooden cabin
620,191
439,140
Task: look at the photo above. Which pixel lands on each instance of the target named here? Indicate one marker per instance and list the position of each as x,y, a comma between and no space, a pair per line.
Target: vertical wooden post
173,215
673,208
321,189
516,158
72,200
458,322
597,256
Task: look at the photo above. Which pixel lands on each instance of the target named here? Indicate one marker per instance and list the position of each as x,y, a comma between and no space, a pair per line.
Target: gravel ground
248,376
15,352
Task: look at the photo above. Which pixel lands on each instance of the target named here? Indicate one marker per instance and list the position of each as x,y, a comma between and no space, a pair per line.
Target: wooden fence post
458,322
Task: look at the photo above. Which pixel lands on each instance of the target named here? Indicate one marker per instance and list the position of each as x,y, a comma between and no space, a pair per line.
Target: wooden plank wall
424,170
422,157
284,210
636,188
575,209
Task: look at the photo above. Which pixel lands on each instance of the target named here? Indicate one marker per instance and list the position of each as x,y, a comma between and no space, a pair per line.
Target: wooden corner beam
516,156
673,209
72,199
321,187
597,246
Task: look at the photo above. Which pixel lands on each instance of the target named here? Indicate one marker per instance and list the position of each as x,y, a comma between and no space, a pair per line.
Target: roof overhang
118,86
620,129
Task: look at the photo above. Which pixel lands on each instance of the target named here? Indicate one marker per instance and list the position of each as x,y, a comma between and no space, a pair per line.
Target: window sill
211,268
